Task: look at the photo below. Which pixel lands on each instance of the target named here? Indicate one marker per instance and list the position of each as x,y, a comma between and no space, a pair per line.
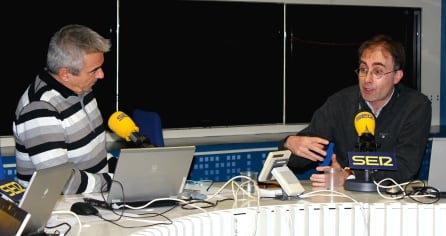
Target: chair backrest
149,123
2,170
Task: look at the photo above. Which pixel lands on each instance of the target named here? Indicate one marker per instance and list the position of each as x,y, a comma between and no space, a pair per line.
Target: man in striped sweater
57,119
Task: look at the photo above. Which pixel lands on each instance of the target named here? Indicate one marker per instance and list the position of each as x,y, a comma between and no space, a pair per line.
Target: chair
2,170
149,123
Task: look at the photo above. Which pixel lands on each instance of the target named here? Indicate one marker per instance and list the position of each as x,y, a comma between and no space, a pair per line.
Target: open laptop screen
144,174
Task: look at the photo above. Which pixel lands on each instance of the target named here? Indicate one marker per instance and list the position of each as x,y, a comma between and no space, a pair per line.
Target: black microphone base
359,186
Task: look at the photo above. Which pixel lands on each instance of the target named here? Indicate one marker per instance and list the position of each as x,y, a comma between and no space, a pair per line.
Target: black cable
416,191
122,214
114,221
139,226
432,195
186,206
58,225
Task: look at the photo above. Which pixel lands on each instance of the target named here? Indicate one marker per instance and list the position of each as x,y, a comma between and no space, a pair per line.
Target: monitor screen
273,160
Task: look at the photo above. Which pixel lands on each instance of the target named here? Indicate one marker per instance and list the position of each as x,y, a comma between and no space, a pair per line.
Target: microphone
365,127
122,125
366,158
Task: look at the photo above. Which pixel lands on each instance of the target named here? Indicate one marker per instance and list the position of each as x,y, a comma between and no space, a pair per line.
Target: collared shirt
402,127
376,113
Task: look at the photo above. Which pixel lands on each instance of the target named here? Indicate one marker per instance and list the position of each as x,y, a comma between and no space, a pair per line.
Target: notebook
437,173
42,193
145,174
13,219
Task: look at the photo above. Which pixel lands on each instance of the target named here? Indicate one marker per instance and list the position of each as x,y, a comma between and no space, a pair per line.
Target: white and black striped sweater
53,125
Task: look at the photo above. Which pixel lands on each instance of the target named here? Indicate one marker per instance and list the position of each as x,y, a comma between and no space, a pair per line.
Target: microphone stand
363,181
140,141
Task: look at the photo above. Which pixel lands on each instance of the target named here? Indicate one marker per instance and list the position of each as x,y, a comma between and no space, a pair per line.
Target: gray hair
68,46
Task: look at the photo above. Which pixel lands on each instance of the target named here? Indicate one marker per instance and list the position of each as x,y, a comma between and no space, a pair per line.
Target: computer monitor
273,160
275,169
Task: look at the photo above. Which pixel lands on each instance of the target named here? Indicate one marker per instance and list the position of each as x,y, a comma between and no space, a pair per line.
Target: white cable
159,199
73,214
238,187
401,187
328,193
379,186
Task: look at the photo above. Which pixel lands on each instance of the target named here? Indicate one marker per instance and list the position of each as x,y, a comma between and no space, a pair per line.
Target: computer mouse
83,208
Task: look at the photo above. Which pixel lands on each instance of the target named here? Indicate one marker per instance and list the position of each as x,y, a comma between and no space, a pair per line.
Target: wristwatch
350,172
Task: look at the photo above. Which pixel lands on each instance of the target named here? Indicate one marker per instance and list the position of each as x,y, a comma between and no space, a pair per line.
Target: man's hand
318,179
312,148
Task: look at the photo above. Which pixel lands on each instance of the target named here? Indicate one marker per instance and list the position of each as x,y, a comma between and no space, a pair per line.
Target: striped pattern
53,125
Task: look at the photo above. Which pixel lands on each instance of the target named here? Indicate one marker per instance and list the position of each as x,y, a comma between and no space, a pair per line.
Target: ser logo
372,160
12,189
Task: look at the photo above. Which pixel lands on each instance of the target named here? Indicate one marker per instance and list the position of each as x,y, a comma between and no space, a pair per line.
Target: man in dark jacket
402,118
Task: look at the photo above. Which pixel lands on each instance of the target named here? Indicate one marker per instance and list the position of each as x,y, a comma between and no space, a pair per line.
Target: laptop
437,175
13,218
145,174
42,194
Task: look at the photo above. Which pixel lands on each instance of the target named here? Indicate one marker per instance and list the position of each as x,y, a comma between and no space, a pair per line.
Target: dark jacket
402,127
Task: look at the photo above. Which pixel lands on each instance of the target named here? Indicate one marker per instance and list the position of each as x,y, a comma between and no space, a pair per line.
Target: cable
70,213
168,222
415,190
395,194
329,193
208,204
236,187
159,199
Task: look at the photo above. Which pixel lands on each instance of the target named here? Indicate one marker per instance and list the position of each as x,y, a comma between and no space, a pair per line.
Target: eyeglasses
376,72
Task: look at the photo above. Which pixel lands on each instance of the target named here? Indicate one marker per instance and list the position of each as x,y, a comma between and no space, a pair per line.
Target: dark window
322,50
202,64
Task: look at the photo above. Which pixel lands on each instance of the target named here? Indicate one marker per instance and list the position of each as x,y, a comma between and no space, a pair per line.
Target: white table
370,215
